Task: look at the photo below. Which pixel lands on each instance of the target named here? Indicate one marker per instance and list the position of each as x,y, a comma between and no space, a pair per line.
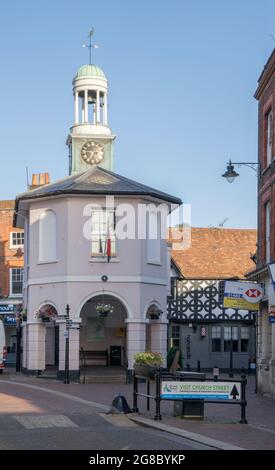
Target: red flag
108,249
108,246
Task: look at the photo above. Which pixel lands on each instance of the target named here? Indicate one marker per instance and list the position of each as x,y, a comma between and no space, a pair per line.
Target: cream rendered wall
74,277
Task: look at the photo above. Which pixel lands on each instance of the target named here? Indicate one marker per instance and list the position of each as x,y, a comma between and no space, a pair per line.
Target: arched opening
153,313
48,314
103,332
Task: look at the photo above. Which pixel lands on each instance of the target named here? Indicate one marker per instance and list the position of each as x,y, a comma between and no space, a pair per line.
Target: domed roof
90,70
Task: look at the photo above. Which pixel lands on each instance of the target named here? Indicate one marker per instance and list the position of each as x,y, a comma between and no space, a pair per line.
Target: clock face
92,152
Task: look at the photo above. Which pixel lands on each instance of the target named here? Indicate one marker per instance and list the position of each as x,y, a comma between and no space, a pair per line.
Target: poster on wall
242,295
95,329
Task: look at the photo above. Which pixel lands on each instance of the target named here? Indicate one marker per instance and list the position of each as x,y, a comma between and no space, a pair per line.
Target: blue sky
182,77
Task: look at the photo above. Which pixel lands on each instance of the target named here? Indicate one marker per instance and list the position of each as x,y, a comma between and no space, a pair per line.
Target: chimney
38,180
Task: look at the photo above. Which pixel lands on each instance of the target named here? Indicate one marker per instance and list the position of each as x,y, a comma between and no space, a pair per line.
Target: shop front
8,316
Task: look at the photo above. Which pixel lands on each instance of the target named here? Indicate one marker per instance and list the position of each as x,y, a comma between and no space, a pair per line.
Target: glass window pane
216,345
227,332
103,222
216,332
235,335
244,332
244,345
17,280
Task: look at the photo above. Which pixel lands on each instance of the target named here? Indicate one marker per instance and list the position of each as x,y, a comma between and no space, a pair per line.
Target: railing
237,394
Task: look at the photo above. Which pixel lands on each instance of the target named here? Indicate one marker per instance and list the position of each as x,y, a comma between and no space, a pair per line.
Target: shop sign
9,320
201,390
272,315
7,308
242,295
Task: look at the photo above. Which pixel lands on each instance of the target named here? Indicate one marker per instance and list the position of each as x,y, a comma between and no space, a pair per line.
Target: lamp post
231,353
230,175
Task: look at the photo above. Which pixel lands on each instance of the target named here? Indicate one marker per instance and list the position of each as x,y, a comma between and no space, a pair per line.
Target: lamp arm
256,166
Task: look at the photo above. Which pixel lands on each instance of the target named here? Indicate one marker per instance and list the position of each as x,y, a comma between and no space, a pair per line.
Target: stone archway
103,331
153,312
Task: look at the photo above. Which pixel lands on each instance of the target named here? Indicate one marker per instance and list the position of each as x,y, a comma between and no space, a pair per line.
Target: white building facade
74,256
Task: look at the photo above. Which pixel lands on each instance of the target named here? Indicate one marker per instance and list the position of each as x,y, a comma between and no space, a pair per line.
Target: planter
104,314
145,371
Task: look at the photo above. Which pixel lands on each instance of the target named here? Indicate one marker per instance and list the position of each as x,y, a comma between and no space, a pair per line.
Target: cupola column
97,107
76,117
86,106
82,109
105,118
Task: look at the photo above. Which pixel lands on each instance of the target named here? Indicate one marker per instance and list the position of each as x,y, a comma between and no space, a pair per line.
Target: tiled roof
217,253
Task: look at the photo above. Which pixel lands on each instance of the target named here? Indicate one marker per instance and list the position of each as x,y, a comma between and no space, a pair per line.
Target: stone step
103,379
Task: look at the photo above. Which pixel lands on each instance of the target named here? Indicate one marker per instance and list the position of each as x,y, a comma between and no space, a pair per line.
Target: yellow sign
241,304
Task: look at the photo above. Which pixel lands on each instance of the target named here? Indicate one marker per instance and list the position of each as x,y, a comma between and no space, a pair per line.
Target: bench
94,356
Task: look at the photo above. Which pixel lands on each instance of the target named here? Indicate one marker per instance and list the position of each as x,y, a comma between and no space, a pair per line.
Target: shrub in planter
170,358
147,363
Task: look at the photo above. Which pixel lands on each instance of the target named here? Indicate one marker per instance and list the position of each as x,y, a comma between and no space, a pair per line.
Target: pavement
86,405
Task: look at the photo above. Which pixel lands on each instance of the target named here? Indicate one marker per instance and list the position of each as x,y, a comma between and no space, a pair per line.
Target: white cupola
90,140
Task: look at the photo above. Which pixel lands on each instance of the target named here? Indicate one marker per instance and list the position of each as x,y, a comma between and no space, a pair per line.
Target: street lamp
231,174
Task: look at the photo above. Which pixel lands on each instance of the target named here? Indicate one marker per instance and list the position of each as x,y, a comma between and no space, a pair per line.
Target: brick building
265,94
11,273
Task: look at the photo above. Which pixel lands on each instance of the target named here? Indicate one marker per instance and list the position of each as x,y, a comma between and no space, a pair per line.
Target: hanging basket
103,309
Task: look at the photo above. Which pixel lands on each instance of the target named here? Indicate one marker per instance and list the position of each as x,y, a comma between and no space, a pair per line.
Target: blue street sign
9,320
7,308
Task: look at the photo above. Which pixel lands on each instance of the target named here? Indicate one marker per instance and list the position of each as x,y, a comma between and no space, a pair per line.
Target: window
175,336
244,338
216,337
103,227
267,232
16,281
268,136
153,222
16,239
231,338
47,237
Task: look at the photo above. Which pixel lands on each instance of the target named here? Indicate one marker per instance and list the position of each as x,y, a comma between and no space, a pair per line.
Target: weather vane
90,45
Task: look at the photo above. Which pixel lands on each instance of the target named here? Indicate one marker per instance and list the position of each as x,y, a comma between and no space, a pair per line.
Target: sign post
67,351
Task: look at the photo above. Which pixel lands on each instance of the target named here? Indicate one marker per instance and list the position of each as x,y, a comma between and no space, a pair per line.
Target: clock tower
90,140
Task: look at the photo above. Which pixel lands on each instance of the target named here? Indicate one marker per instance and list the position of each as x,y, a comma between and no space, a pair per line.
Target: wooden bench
88,356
